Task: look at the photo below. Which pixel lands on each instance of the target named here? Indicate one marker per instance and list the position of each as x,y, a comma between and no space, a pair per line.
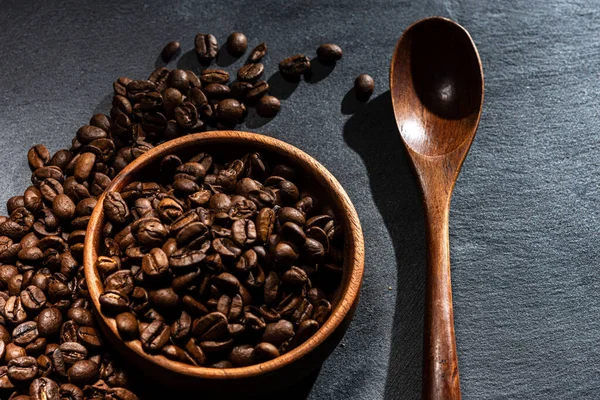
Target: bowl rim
354,239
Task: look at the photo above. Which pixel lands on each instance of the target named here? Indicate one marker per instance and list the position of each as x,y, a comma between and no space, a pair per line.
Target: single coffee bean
14,311
120,85
115,208
258,90
88,133
169,51
89,337
210,327
250,72
127,325
257,53
268,106
155,336
44,389
230,111
206,47
186,115
25,333
209,76
33,298
164,299
294,66
279,332
73,352
236,44
49,322
242,356
329,53
216,91
113,302
38,156
83,372
265,351
22,369
363,87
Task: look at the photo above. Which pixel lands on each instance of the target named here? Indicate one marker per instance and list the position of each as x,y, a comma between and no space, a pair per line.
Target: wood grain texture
436,81
289,367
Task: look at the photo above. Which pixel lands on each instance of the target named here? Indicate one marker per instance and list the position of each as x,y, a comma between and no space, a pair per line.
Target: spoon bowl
436,81
436,66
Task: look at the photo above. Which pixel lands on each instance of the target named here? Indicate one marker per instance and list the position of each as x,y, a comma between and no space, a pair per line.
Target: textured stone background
525,214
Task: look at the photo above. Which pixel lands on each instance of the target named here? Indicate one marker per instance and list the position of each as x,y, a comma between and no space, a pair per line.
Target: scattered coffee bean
268,106
363,87
206,47
257,53
294,66
237,44
169,51
250,72
329,53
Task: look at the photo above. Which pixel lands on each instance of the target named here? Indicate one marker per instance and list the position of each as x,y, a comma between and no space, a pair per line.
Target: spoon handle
440,363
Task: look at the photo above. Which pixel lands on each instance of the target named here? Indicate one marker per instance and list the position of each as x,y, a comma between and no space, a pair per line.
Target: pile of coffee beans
50,346
219,264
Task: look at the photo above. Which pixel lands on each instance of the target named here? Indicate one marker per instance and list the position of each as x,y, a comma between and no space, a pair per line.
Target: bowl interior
312,176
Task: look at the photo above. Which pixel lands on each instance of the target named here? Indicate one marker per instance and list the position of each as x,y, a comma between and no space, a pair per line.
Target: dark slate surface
524,217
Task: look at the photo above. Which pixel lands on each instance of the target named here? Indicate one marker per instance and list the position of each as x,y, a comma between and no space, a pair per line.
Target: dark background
525,215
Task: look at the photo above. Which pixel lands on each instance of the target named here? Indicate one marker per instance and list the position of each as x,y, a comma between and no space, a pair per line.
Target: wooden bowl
289,367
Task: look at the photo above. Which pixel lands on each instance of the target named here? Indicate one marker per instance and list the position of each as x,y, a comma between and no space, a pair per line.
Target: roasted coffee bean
113,302
127,325
38,156
257,53
363,87
22,369
294,66
120,85
209,76
250,72
83,372
242,356
206,47
89,336
14,351
239,90
216,91
25,333
268,106
258,90
169,51
155,336
329,53
115,208
89,133
49,322
50,188
236,44
186,115
14,311
230,111
33,298
44,389
81,316
278,332
164,299
73,352
210,327
265,351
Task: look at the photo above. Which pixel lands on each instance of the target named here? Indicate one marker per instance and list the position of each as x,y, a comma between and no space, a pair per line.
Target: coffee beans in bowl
223,250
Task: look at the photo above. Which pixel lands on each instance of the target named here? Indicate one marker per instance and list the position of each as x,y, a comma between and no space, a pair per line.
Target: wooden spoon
436,81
